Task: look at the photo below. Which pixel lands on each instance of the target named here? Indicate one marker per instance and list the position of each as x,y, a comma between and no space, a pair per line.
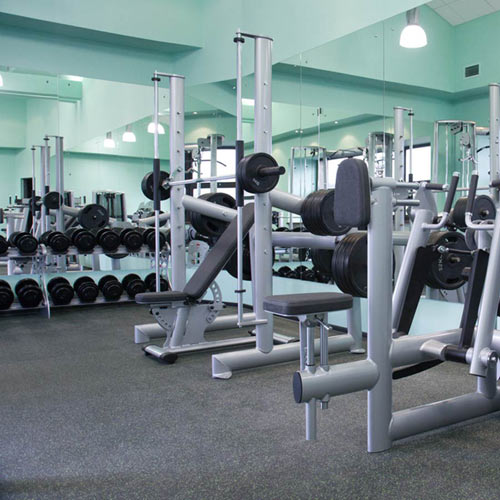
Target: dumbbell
83,239
28,292
6,295
60,291
133,285
150,282
110,287
86,289
131,238
108,239
4,245
56,240
149,238
284,272
299,272
24,242
309,275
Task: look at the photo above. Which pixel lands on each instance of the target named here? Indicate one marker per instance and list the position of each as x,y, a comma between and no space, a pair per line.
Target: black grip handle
156,184
435,186
268,171
240,152
451,193
472,192
495,184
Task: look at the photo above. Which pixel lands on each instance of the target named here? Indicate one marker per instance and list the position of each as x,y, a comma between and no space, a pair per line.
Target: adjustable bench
182,314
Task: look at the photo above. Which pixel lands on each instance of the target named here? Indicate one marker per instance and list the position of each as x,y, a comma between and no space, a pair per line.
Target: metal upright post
494,137
156,178
33,191
41,191
177,173
61,261
263,209
379,318
399,175
213,161
435,153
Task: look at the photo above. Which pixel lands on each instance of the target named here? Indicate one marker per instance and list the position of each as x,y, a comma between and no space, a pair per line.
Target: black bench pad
160,297
307,303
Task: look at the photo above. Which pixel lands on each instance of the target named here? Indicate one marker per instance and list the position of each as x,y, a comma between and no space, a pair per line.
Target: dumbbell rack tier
42,251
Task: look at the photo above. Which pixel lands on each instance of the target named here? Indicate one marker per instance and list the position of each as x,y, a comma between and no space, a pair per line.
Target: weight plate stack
24,242
248,176
445,271
110,287
28,292
284,272
317,214
482,209
56,240
86,289
322,260
349,264
6,295
208,226
52,200
147,186
133,285
93,216
150,282
60,291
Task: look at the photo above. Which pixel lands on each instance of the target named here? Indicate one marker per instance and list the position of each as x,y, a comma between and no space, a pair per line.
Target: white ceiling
461,11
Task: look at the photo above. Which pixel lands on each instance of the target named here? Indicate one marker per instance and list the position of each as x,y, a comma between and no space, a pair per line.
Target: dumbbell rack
43,253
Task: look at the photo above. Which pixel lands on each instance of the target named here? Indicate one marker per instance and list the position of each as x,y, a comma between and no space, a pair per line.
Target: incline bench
182,314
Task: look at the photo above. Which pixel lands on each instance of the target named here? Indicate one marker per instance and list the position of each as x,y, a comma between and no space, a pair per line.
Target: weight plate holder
193,325
147,186
482,209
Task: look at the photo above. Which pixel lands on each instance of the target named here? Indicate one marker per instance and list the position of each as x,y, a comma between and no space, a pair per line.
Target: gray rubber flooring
84,414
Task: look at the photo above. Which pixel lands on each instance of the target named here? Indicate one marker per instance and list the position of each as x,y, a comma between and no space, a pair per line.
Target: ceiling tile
436,3
471,9
450,15
494,3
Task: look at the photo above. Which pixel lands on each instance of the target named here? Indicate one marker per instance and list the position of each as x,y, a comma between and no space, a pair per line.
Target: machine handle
239,152
434,186
451,192
156,184
474,179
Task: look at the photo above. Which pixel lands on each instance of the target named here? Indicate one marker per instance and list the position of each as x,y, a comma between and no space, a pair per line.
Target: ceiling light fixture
151,128
109,142
1,81
128,135
413,35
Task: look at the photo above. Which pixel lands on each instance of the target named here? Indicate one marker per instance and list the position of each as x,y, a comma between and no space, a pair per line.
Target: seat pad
160,297
307,303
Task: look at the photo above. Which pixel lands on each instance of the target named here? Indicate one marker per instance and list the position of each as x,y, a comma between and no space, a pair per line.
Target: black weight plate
28,292
247,173
6,295
56,240
106,279
53,200
482,209
24,282
93,216
445,271
147,186
149,238
4,245
24,242
150,282
318,215
83,240
62,294
322,259
208,226
129,278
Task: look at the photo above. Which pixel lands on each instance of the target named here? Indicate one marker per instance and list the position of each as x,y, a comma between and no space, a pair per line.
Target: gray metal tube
399,175
209,209
343,378
151,220
213,162
418,237
286,201
59,180
177,173
263,209
494,137
43,209
400,238
379,318
302,240
425,418
489,304
435,153
157,208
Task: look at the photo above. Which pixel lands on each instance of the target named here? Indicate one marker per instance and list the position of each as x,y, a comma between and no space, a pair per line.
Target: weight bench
311,310
182,314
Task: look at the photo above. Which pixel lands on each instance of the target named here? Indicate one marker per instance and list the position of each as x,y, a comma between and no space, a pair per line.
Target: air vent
472,70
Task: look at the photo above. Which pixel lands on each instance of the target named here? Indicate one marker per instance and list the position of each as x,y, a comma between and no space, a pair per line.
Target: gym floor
84,414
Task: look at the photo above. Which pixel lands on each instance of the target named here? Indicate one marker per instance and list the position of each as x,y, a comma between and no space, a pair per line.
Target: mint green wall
12,122
10,184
